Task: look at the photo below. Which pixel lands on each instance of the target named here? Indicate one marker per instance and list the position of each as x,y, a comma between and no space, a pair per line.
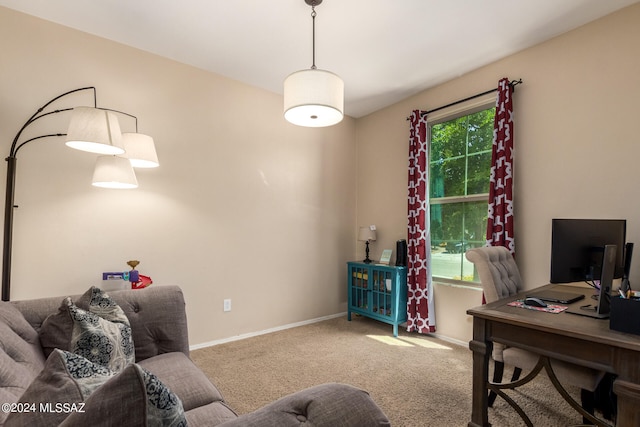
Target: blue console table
378,292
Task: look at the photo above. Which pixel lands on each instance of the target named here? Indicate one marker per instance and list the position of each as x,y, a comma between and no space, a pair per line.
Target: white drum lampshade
114,172
140,150
313,98
94,130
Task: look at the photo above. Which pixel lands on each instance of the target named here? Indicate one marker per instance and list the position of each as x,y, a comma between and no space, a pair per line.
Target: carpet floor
416,379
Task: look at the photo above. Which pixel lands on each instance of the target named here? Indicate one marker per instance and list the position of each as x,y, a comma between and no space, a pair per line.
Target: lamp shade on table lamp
366,234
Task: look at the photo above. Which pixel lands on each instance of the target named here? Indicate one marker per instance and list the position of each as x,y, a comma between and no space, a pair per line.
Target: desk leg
627,387
481,348
628,402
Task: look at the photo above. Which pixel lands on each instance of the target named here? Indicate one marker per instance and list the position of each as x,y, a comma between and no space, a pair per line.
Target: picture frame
385,258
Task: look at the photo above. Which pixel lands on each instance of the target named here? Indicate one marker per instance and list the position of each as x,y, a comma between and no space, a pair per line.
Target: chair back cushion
497,270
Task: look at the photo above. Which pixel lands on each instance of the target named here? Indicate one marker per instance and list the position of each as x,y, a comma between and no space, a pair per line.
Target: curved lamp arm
11,176
11,179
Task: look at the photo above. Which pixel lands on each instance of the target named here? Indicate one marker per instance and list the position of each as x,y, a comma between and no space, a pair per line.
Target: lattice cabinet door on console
378,291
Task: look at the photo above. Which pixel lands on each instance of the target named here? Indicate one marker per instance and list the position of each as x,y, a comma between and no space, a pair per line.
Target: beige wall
244,206
248,207
577,147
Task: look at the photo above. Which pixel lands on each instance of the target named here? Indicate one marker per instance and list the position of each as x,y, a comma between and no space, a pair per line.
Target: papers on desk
550,308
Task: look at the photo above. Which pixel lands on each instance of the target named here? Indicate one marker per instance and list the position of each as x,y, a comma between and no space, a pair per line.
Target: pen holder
625,315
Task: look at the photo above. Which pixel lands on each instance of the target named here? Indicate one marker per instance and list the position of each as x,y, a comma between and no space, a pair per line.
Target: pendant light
313,98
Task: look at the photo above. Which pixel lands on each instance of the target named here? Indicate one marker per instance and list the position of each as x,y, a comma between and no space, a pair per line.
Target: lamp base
367,260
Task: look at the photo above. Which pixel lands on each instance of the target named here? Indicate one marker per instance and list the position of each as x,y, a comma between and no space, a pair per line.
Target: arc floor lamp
91,129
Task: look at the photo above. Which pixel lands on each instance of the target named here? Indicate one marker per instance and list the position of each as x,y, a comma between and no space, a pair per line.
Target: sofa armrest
326,405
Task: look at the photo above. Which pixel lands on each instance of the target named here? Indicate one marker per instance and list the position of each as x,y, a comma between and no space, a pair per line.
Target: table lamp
367,234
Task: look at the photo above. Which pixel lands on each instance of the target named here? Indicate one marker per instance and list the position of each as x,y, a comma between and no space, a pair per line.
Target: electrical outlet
227,305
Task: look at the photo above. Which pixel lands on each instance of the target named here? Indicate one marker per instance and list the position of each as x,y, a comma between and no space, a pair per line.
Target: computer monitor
577,248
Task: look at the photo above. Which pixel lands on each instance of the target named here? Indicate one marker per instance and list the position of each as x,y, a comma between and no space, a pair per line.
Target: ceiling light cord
313,37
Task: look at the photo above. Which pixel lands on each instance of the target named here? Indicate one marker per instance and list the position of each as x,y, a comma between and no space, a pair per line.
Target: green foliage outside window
460,163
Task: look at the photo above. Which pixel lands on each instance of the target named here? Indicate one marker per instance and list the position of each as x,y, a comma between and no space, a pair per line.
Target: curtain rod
512,83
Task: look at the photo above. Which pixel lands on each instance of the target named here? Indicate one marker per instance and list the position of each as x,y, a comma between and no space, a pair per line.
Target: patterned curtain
500,223
420,311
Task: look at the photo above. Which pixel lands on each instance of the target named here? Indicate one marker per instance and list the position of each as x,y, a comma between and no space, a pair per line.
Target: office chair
500,278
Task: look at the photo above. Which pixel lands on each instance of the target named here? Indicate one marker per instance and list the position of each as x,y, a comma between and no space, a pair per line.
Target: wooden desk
564,336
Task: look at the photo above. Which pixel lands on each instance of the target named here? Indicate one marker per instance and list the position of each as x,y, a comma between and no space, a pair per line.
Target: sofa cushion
210,415
182,376
21,358
99,340
202,401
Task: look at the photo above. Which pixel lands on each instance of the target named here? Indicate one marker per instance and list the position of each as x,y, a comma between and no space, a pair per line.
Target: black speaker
401,253
628,252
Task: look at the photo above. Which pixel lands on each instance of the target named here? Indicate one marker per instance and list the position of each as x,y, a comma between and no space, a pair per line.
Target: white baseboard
304,322
450,340
263,332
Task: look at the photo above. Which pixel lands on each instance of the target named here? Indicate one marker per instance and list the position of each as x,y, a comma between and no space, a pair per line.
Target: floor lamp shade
114,172
313,98
140,150
94,130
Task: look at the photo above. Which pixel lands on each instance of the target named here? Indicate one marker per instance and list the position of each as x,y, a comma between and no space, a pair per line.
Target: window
459,168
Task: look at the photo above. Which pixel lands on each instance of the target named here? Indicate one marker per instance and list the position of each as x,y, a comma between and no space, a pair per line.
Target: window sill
457,284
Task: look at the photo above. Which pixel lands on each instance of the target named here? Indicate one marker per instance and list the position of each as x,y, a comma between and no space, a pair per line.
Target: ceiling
384,50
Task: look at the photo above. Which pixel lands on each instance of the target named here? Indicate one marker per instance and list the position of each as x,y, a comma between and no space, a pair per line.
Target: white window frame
451,113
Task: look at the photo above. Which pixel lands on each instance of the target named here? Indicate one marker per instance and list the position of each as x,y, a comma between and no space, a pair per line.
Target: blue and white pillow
121,398
103,305
88,375
164,408
99,340
66,378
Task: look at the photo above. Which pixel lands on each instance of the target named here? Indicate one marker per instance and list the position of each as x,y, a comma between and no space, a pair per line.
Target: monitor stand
603,307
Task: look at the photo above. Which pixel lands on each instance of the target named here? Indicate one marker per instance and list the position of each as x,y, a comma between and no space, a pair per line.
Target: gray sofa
159,332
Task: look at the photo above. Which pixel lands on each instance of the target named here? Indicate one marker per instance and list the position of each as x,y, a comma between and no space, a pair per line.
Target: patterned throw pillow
57,328
134,397
100,303
164,408
137,394
94,395
66,379
88,375
101,341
